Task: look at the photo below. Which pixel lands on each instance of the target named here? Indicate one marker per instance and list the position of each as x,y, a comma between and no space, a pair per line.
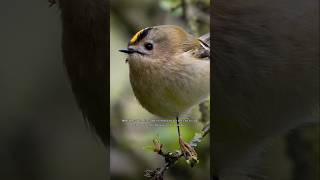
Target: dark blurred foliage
303,150
42,133
276,34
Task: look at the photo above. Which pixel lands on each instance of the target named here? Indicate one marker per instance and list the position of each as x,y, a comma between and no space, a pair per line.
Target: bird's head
159,43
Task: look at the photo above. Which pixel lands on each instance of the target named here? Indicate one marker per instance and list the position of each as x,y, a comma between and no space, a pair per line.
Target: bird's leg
188,152
178,127
179,135
181,142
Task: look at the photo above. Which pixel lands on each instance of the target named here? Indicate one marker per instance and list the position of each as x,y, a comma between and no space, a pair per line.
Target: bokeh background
129,155
42,133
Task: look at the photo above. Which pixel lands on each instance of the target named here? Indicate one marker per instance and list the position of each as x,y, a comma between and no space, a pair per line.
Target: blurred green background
128,156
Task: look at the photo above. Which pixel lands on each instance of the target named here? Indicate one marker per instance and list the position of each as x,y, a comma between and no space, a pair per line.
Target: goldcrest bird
169,70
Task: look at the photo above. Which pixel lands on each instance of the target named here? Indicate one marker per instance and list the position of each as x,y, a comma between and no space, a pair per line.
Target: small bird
169,70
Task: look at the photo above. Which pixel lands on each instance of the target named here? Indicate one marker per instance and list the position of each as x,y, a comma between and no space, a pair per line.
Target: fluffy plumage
172,77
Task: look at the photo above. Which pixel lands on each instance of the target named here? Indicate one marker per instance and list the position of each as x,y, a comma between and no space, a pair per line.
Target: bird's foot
188,152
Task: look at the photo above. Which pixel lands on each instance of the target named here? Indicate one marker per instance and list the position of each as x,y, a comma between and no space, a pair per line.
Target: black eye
148,46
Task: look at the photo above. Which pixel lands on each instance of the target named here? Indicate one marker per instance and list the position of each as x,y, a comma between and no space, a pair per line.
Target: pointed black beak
127,51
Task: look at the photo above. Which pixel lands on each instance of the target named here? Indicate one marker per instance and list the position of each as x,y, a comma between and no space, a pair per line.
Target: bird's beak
127,51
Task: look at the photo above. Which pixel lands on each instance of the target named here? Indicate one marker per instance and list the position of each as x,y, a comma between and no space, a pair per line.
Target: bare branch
172,157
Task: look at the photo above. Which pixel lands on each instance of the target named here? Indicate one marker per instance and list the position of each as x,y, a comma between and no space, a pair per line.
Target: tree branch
172,157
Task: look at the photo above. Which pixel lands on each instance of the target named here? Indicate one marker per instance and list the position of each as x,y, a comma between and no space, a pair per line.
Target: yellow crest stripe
135,37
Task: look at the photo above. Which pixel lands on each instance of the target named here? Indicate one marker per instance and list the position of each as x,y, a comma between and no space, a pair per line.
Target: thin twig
172,157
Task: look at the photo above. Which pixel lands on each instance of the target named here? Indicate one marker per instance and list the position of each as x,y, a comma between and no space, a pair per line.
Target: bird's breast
168,90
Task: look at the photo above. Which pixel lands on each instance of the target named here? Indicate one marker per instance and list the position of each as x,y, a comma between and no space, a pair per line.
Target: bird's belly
163,101
170,95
